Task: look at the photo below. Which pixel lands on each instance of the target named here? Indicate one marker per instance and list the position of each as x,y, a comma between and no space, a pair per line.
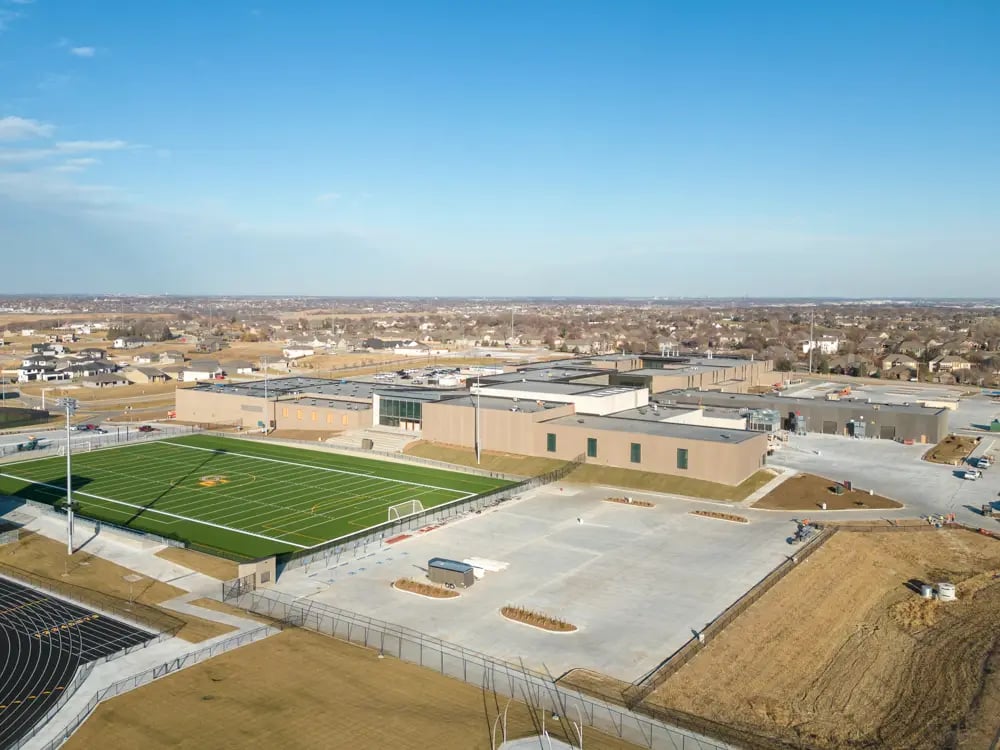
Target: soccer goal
78,447
401,510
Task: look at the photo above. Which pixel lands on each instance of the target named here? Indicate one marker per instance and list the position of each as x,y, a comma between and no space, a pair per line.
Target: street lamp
43,396
478,416
69,404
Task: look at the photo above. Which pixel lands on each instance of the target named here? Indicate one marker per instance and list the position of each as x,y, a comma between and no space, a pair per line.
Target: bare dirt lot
953,450
302,690
216,567
808,492
843,653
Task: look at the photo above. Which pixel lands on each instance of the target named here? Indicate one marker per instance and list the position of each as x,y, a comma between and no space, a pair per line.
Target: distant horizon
500,297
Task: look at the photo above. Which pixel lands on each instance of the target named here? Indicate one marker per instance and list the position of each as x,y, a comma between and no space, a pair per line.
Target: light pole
69,404
478,402
43,396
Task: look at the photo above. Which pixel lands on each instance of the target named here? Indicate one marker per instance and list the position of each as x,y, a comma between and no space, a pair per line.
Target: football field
241,496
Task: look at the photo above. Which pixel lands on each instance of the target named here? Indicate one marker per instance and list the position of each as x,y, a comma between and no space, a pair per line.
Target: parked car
972,474
147,428
87,427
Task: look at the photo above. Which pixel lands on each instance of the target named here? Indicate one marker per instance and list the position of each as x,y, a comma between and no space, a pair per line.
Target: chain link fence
70,690
144,678
353,545
538,690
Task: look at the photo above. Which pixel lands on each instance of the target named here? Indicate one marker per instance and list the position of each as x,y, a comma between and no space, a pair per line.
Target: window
344,420
284,411
314,416
329,418
392,411
635,453
298,414
591,447
550,442
682,458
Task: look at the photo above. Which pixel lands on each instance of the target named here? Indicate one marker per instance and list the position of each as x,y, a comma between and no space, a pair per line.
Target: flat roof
661,429
544,374
295,385
501,403
329,403
445,564
788,403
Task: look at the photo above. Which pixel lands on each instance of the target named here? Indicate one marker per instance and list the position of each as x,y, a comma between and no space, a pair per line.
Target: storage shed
452,572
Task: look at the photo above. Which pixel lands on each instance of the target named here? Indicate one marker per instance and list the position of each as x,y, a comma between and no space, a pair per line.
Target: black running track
43,641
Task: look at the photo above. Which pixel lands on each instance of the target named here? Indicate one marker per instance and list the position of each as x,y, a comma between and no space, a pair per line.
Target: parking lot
636,581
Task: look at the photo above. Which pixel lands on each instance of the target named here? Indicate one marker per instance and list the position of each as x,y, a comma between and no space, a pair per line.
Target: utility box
367,443
450,572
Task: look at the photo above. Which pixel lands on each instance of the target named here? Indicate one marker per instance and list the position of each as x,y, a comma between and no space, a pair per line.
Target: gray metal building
844,417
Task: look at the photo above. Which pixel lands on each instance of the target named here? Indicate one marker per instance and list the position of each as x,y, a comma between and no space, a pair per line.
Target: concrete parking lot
637,582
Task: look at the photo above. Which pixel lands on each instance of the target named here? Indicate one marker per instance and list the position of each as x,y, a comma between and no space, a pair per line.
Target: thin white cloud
20,2
83,51
327,197
20,128
77,165
77,146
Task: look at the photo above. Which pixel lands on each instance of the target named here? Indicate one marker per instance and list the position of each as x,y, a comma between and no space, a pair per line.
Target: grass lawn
505,463
674,485
529,466
239,496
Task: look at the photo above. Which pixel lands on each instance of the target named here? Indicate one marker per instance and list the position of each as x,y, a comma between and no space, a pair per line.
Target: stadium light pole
69,404
478,416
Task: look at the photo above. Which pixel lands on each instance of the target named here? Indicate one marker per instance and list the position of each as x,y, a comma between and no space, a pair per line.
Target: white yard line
306,466
160,512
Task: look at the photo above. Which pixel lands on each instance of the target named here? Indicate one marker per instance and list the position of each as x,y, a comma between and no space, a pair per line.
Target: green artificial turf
239,496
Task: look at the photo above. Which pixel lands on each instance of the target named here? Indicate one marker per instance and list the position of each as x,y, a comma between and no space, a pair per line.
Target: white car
972,474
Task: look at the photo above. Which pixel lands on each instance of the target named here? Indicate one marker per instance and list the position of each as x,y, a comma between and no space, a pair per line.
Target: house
48,349
105,380
171,357
900,372
143,359
128,342
297,352
825,345
210,344
93,353
238,367
949,363
146,375
897,360
201,369
40,369
27,331
851,364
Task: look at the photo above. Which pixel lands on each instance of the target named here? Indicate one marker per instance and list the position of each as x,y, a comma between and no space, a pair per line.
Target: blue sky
510,148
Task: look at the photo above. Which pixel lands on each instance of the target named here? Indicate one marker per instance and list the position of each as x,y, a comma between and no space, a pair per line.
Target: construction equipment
805,531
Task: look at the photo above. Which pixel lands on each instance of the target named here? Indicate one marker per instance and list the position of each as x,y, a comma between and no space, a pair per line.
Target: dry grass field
505,463
216,567
673,485
45,557
843,653
309,692
808,492
953,450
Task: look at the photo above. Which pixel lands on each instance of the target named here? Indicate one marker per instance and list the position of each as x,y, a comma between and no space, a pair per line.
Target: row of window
314,416
635,450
